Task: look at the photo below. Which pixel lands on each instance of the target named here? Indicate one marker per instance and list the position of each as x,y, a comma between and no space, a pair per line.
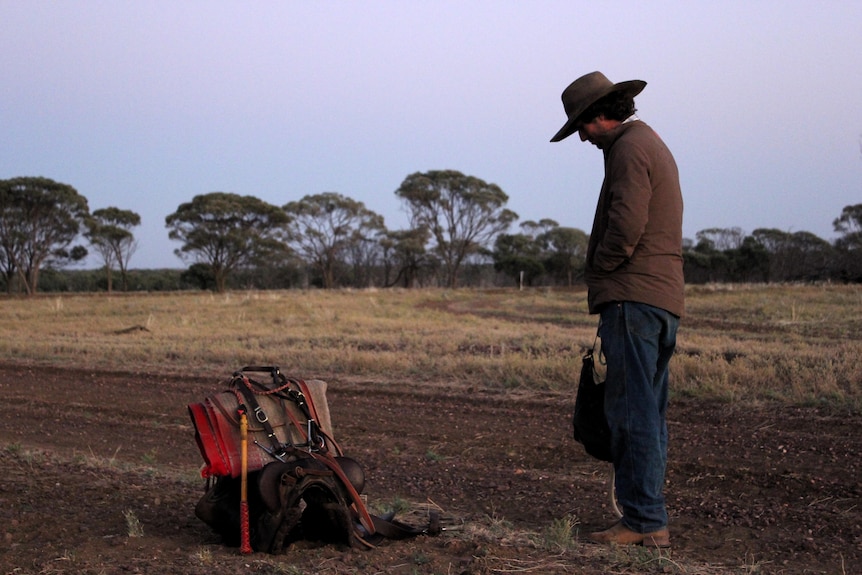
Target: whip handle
245,539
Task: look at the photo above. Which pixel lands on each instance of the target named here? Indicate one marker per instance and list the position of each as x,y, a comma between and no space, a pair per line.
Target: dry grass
799,344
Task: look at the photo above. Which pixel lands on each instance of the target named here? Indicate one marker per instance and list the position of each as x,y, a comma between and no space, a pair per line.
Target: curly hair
614,106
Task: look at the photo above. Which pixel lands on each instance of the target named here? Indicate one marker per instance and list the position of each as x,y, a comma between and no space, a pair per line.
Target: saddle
298,484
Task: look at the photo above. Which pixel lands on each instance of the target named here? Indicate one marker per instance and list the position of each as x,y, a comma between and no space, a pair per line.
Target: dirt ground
765,489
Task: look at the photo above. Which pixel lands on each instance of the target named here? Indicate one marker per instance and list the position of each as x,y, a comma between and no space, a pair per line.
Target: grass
790,343
135,529
562,534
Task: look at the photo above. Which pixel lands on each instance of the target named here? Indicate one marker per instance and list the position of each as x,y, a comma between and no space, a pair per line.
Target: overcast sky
144,104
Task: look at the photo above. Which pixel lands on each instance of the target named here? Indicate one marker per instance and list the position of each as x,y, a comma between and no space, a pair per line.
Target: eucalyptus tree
849,224
404,254
109,233
565,252
39,220
330,229
462,213
811,256
721,239
750,262
519,256
849,245
779,255
226,231
543,248
536,229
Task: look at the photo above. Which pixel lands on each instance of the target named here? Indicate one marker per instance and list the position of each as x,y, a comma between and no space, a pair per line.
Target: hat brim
632,89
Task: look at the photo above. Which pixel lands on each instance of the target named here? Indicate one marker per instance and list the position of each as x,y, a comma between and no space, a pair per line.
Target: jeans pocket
642,320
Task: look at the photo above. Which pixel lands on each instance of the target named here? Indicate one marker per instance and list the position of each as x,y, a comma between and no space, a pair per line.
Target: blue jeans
638,341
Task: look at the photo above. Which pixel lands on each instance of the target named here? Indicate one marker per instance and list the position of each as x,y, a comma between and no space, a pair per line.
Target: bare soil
751,489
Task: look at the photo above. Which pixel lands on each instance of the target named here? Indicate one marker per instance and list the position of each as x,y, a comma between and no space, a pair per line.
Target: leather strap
259,415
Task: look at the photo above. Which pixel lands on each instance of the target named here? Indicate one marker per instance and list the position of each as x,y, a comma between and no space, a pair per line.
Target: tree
810,255
39,219
404,250
462,213
704,262
518,256
849,223
749,262
722,239
849,245
200,276
537,229
227,231
365,256
566,251
776,243
329,225
8,237
544,247
108,231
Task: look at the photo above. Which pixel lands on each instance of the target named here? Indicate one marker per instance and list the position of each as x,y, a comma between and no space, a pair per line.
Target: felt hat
588,90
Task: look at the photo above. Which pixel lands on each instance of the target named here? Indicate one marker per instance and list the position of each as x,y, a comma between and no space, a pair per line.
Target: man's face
591,131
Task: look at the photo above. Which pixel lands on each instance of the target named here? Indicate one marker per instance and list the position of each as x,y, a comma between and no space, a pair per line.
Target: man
634,277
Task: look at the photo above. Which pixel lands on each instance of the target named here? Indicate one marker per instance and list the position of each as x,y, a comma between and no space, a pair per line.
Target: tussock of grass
797,344
133,524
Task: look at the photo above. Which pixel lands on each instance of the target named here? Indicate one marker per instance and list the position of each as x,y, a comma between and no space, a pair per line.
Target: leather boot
619,534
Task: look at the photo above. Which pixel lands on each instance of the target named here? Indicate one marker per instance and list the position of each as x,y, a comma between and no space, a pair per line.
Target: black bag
299,498
589,422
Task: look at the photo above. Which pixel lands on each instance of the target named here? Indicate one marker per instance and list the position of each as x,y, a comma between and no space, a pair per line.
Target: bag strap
245,392
316,439
300,396
312,416
358,505
596,357
391,528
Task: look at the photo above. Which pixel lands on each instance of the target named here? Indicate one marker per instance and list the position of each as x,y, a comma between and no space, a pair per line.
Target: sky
144,105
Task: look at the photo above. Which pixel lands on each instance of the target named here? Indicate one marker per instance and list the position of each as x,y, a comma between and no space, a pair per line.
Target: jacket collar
607,140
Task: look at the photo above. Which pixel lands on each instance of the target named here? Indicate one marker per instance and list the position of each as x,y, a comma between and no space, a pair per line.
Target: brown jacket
635,249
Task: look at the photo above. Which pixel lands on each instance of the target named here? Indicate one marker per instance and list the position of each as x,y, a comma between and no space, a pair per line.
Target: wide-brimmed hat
588,90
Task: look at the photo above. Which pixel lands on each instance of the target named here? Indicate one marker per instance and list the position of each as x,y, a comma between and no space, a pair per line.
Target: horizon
142,106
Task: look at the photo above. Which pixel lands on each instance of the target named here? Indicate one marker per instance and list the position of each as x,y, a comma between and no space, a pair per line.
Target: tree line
459,234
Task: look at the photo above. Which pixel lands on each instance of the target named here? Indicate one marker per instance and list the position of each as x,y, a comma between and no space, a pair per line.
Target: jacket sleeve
627,177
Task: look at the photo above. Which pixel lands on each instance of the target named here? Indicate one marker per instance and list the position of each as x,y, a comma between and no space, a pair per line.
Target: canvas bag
590,426
216,420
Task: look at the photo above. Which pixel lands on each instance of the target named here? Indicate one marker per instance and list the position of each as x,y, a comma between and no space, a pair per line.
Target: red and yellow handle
245,539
